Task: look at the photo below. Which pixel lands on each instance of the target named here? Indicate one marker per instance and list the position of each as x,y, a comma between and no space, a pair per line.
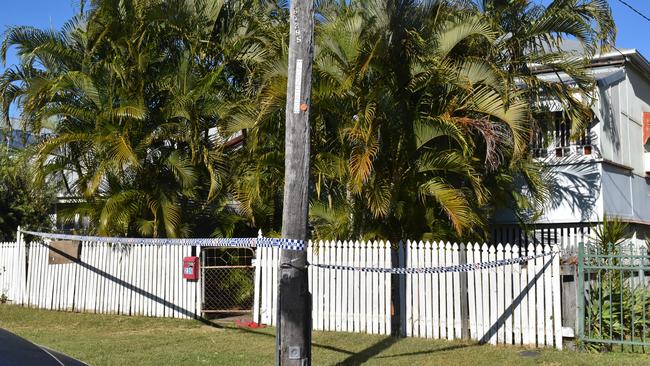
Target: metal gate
228,280
614,296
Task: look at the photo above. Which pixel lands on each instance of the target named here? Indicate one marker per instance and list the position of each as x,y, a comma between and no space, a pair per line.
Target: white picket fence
108,279
513,304
341,300
12,271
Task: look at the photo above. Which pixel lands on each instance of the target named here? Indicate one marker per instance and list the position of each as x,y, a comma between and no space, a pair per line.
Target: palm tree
534,37
384,71
422,111
420,125
140,103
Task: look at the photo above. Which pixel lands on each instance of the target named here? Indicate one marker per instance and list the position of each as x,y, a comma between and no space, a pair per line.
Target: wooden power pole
294,322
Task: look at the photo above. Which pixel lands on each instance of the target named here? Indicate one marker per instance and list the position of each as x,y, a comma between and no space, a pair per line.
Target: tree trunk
294,323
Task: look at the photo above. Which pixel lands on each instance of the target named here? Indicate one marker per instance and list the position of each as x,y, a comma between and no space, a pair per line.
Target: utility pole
294,321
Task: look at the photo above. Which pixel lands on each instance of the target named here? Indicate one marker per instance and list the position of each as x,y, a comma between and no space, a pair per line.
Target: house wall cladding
513,304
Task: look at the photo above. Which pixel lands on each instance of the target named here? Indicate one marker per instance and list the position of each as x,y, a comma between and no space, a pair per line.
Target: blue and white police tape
457,268
288,244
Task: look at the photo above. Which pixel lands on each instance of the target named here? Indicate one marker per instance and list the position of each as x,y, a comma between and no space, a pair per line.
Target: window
557,139
562,135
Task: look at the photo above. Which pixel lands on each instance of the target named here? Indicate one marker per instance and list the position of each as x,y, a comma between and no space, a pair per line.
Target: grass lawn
120,340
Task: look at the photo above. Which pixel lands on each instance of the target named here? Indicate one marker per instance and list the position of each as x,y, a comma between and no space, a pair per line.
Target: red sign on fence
191,268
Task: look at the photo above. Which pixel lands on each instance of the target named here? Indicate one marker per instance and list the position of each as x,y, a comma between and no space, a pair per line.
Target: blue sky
633,30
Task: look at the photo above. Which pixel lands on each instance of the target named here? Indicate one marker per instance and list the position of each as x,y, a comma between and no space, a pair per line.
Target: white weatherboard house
605,171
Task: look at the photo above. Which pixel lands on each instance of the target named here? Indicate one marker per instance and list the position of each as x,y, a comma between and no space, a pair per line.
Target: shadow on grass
360,357
442,349
330,348
368,353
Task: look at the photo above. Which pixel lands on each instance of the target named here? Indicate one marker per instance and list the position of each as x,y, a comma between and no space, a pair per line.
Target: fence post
464,307
581,291
396,292
20,270
400,310
257,286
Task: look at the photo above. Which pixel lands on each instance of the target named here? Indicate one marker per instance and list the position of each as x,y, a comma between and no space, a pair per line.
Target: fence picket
350,299
435,291
8,272
381,287
23,271
401,259
274,291
29,300
456,278
186,301
43,279
180,282
524,289
29,281
516,294
507,299
144,280
86,257
142,269
356,286
157,280
532,289
266,286
418,285
128,279
471,293
492,273
39,281
345,247
374,292
408,292
81,283
387,289
328,294
539,288
178,279
485,295
422,290
338,285
427,295
313,288
443,292
72,283
500,278
322,290
112,299
548,298
5,271
55,285
256,284
50,270
105,268
557,298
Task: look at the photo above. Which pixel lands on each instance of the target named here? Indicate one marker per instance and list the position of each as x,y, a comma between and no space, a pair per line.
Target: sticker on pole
297,84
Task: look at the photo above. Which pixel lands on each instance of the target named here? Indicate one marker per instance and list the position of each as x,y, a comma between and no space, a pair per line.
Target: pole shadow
509,311
137,290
